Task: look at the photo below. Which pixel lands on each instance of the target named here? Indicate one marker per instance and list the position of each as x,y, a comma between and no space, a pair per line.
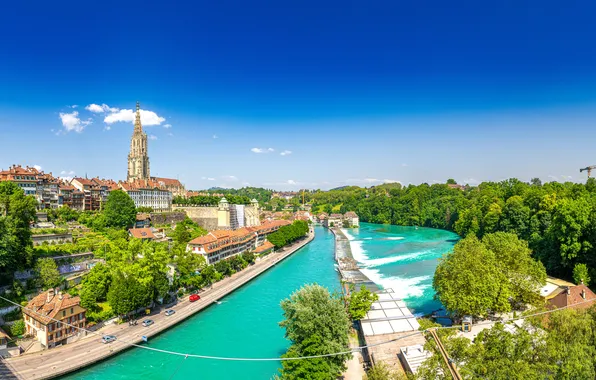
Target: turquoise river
245,324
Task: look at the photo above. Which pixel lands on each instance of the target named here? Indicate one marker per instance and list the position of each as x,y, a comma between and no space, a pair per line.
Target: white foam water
393,259
393,238
402,286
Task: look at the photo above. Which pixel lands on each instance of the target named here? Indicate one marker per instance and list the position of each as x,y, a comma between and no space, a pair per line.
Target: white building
148,193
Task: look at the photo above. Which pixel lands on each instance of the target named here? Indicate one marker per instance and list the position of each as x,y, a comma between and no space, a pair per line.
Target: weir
388,319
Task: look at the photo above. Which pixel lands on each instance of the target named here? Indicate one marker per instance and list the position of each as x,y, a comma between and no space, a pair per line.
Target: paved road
61,360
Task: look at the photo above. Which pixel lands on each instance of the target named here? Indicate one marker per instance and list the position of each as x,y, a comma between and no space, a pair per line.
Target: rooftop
142,233
46,305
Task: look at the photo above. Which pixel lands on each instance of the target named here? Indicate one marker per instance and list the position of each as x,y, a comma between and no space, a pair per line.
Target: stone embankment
71,357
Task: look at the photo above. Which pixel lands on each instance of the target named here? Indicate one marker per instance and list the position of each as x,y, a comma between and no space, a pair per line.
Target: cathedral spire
138,126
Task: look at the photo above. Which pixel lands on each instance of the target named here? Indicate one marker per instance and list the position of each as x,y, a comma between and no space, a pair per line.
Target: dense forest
558,220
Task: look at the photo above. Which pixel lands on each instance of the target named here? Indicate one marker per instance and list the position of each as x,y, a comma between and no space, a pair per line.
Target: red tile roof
578,298
169,182
266,246
44,310
142,233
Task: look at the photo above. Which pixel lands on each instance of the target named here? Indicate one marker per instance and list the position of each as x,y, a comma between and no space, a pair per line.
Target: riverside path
71,357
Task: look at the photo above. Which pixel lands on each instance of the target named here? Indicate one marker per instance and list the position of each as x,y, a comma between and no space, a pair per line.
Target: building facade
148,193
54,318
222,244
138,158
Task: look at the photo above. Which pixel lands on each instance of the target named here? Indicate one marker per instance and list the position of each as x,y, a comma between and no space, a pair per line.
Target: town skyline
349,98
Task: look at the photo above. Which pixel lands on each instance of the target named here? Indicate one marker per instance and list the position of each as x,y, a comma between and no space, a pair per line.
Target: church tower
138,159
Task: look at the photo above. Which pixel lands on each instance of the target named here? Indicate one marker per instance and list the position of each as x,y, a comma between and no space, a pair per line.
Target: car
108,338
169,312
147,322
194,297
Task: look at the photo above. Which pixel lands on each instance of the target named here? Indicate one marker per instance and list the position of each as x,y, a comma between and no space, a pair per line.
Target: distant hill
339,188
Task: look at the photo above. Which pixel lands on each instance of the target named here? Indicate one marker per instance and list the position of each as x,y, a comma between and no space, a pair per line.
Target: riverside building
222,244
46,314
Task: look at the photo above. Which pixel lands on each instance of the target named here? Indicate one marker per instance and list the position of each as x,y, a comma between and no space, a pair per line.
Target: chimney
568,290
50,295
584,293
60,296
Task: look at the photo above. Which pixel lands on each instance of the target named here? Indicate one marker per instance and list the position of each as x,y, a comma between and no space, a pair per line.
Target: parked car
108,338
147,322
194,297
169,312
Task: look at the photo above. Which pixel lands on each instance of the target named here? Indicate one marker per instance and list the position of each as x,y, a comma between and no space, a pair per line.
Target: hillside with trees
558,220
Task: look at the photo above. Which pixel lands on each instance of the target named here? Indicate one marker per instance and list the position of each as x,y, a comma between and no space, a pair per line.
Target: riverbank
62,360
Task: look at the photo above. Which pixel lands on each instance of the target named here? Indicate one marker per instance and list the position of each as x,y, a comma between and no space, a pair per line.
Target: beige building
148,193
221,244
47,314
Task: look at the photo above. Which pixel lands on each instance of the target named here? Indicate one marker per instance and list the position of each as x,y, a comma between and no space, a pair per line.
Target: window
71,310
64,313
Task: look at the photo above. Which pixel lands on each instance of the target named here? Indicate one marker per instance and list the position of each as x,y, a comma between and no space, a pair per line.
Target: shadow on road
6,371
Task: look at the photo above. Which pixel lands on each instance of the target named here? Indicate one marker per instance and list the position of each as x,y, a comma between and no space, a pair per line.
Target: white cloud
404,164
152,137
286,153
64,172
292,182
262,150
167,126
215,136
37,167
128,116
170,134
229,178
210,179
73,106
471,181
107,128
553,177
567,177
96,108
391,181
72,122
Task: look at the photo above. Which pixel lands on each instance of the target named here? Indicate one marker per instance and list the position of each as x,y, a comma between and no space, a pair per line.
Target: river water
245,324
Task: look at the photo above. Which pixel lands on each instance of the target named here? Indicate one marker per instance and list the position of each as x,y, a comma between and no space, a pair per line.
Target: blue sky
359,92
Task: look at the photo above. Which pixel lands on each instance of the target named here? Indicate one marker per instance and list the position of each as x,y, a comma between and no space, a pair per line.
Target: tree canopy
316,323
17,211
119,210
481,276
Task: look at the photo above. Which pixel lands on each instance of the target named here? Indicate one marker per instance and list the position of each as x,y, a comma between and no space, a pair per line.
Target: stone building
138,158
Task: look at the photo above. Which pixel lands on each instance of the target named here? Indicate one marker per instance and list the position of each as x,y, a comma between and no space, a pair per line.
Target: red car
194,297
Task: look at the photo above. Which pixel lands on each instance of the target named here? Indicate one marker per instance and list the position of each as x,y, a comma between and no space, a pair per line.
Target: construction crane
588,169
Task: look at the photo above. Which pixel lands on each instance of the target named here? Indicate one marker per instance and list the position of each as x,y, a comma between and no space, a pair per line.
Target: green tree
580,274
95,286
469,280
223,267
360,302
514,259
316,323
181,234
119,210
381,371
17,328
17,211
48,273
126,294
